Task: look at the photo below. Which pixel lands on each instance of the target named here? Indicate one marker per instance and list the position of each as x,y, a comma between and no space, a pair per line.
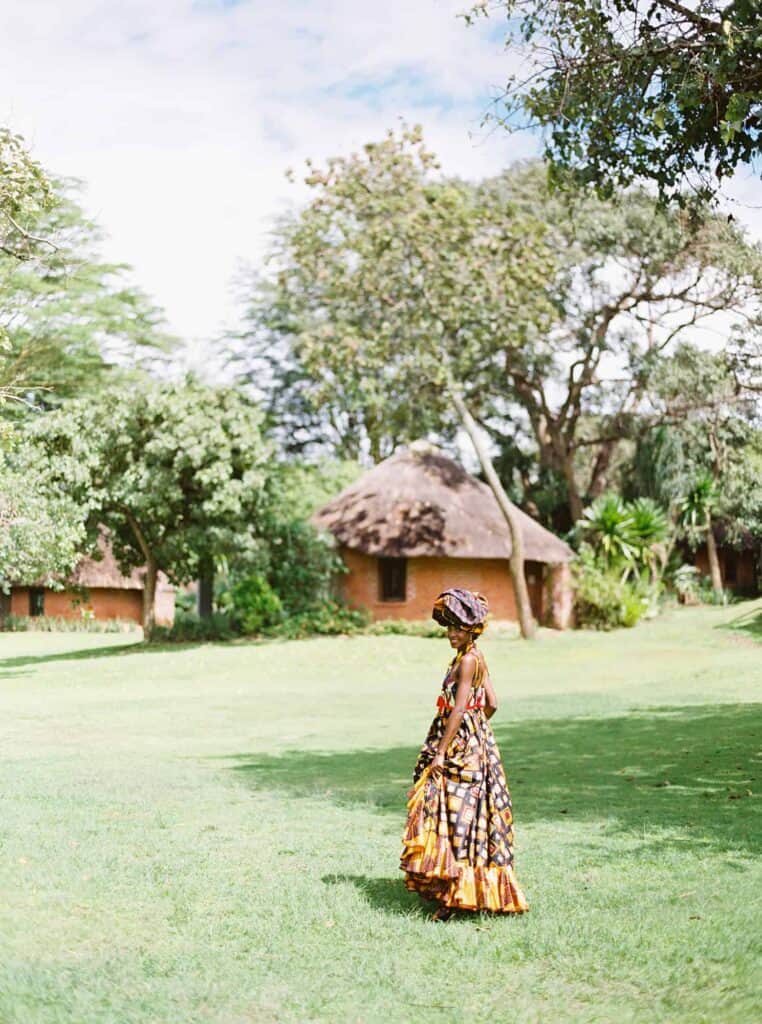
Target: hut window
392,579
36,601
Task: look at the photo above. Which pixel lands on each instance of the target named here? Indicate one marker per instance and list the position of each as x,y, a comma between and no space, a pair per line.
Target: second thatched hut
418,523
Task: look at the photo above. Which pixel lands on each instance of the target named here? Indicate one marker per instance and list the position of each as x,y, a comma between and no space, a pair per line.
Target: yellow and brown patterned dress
458,843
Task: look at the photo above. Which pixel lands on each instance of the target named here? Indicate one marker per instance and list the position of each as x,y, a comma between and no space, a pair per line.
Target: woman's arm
466,677
490,695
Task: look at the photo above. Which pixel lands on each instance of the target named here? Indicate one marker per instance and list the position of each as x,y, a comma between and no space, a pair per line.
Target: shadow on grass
749,623
693,772
387,894
85,654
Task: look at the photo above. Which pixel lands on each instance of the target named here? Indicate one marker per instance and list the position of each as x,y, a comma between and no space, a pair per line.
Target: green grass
211,834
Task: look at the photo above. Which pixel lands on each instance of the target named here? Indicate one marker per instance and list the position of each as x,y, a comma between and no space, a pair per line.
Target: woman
458,844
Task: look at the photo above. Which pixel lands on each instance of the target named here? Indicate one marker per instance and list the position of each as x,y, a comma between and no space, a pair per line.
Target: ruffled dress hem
433,872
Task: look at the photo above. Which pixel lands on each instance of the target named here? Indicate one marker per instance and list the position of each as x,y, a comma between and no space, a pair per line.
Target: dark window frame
392,580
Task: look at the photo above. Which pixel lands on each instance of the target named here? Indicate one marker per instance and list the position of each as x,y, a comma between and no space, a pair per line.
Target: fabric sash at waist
474,703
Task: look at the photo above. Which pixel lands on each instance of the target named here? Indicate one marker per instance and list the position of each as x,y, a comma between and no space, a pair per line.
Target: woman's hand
437,765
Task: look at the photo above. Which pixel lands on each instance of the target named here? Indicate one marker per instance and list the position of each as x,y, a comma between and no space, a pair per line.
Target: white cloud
183,118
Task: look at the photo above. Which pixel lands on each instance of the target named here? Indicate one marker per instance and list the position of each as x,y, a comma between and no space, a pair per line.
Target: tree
25,192
696,515
69,319
394,290
175,471
632,281
667,91
700,451
41,528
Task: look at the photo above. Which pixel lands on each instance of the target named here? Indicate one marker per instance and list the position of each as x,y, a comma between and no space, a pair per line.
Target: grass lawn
211,834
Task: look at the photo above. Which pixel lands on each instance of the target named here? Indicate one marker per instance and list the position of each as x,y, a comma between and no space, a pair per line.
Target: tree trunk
714,561
206,591
598,477
527,623
149,598
151,572
575,500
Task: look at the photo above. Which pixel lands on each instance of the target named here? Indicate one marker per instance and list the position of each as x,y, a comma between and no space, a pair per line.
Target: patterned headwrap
462,608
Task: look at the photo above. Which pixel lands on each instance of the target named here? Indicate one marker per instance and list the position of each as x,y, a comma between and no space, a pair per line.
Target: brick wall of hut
103,602
427,577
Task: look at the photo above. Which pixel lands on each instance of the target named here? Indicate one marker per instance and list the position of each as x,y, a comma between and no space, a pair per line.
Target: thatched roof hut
96,588
419,503
418,523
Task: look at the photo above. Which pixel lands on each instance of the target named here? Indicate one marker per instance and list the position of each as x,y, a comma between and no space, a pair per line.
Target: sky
182,118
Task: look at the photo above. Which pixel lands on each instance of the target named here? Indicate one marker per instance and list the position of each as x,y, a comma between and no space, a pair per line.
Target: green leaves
668,92
388,280
25,192
69,319
185,463
626,536
42,528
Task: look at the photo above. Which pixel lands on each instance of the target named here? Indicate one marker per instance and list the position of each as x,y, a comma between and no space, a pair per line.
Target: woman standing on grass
458,843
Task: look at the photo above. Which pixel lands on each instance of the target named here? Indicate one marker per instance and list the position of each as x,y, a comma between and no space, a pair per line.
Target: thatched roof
104,571
419,502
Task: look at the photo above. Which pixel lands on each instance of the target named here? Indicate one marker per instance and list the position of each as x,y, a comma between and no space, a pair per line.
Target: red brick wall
106,603
427,577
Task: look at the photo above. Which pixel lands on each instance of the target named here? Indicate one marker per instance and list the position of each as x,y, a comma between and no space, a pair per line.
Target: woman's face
458,637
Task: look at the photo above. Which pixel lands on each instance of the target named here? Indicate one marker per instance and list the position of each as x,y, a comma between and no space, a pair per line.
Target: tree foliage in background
387,284
700,461
665,90
70,320
42,529
632,281
175,471
25,192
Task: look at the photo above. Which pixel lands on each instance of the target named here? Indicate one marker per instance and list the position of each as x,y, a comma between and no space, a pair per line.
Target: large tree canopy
632,281
390,282
665,90
175,471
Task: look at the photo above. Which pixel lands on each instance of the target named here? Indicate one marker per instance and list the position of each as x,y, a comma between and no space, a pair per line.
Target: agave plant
651,528
608,525
628,537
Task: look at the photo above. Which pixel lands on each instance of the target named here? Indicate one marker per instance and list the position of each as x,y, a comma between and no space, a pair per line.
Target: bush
303,565
405,627
329,619
687,583
188,627
57,624
253,605
603,600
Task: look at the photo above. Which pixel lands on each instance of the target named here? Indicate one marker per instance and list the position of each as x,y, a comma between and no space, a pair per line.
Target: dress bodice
446,700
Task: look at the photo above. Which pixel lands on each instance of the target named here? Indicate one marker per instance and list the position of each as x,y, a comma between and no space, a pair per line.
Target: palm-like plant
697,505
651,528
609,527
696,511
